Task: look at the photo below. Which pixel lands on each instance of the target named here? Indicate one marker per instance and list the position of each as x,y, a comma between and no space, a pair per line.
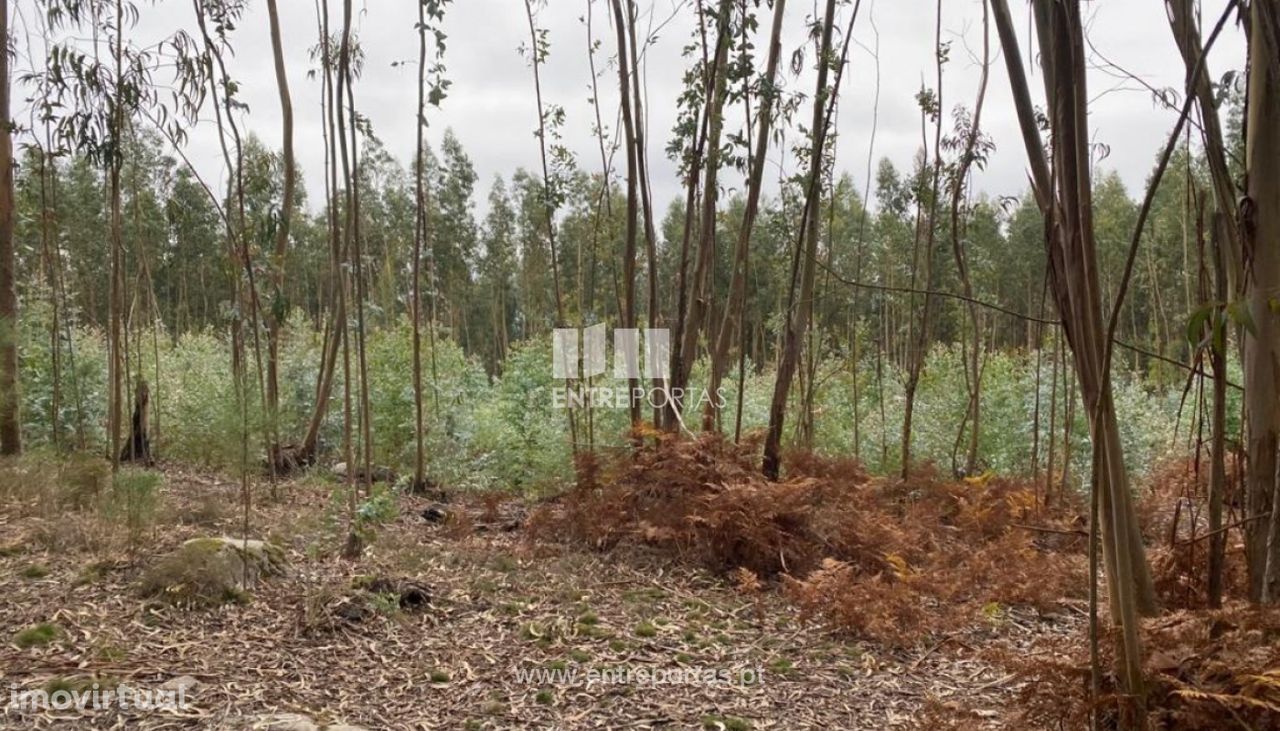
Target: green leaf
1195,324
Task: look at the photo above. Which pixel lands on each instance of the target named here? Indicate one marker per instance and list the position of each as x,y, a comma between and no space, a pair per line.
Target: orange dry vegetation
1174,511
887,559
1206,669
897,561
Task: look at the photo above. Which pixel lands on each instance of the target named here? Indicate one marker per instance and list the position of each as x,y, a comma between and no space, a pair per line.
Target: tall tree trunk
352,174
1066,201
918,346
1218,449
629,317
734,308
972,355
115,365
52,264
684,349
804,266
337,317
10,424
419,238
277,309
642,179
537,55
1260,215
694,160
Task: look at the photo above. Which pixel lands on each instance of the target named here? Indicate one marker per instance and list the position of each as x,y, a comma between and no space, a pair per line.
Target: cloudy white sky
492,109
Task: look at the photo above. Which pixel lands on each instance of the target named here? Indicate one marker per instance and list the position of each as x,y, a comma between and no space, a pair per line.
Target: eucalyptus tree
453,236
555,158
10,422
733,318
557,167
974,148
602,210
192,263
1260,224
1064,193
336,341
800,291
430,17
704,128
923,242
497,272
348,128
630,114
101,83
279,307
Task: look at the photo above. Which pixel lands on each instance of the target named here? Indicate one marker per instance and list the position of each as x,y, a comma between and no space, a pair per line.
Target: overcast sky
492,109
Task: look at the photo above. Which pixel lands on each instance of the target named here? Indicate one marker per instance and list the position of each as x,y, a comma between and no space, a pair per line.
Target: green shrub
503,432
134,498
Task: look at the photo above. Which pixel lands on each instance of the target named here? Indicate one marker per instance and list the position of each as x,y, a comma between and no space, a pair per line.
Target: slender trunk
629,318
1185,32
115,376
537,53
973,355
1218,449
804,266
352,174
419,237
276,311
334,336
10,422
52,265
642,175
736,304
918,346
1066,201
703,279
694,160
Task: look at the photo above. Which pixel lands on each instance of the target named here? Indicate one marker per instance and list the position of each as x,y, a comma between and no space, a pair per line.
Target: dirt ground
502,607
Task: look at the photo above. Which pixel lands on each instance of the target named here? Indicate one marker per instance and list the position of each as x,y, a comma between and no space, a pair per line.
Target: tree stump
138,446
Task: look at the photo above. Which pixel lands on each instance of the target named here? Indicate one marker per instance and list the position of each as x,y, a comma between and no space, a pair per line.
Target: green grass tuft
40,634
34,571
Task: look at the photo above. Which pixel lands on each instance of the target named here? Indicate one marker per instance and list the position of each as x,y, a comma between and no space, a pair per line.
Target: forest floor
502,604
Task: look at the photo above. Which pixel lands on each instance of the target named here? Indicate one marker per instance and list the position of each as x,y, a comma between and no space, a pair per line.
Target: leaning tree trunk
1066,201
973,357
1187,35
800,304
